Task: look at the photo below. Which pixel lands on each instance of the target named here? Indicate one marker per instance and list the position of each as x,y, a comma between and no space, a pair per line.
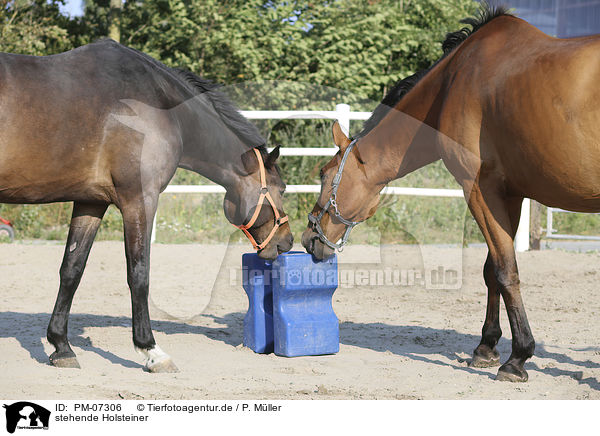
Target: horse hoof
511,373
165,366
482,362
157,360
64,362
484,357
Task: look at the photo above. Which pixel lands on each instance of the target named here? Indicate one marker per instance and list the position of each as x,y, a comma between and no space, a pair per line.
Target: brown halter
264,193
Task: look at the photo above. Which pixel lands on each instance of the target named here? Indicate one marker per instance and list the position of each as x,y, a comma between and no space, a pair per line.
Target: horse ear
339,137
273,156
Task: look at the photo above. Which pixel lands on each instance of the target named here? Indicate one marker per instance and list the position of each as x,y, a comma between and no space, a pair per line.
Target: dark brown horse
512,113
105,124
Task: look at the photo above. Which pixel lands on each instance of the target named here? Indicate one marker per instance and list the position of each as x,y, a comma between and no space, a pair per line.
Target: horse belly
39,165
45,187
48,156
577,193
569,179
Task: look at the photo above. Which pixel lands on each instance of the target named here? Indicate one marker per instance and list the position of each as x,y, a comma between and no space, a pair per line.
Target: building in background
561,18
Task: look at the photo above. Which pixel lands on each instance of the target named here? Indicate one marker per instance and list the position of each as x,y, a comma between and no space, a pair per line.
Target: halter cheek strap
264,193
332,202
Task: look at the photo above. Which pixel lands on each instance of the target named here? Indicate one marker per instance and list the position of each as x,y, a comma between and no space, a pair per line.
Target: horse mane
485,14
229,114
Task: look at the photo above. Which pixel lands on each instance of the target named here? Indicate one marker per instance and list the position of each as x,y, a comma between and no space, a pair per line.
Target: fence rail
344,116
551,232
315,189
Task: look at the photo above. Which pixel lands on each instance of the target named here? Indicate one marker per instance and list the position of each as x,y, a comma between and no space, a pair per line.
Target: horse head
255,204
345,200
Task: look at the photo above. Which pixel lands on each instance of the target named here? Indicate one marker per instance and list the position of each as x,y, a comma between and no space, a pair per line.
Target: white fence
343,114
551,232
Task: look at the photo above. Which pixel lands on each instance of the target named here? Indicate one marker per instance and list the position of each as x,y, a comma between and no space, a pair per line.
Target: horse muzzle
313,245
282,242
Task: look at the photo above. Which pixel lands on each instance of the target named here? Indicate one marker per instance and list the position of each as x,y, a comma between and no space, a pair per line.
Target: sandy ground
397,342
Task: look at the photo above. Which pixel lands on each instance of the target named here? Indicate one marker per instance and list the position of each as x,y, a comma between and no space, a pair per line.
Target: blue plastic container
258,322
289,305
303,318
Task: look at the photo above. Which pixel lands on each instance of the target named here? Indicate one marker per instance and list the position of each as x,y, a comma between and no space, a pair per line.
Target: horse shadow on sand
30,328
425,344
412,342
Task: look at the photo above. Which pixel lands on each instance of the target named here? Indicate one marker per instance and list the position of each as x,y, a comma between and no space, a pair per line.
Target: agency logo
26,415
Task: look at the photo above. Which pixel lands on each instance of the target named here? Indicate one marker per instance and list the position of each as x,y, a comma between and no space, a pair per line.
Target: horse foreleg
137,224
84,225
486,355
491,210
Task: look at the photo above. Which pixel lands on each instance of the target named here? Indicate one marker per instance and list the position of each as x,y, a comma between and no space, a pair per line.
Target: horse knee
139,286
507,280
138,279
70,275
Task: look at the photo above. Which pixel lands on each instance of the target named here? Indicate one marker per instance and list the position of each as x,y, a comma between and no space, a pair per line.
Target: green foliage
355,45
38,222
575,223
33,27
93,25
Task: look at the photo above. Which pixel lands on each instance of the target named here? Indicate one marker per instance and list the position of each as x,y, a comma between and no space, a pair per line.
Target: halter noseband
316,220
264,193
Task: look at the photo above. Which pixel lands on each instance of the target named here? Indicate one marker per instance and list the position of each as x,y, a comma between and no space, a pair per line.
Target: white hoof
157,360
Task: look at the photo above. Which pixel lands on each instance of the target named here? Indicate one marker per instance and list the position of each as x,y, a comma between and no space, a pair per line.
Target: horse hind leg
491,209
137,225
486,355
85,222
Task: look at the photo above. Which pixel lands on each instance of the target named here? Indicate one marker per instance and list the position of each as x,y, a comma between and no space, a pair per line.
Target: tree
114,25
360,46
33,27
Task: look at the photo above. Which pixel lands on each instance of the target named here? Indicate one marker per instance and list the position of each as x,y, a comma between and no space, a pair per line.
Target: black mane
230,115
485,14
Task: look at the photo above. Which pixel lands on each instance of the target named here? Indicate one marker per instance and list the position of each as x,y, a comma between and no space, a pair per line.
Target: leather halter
264,193
316,220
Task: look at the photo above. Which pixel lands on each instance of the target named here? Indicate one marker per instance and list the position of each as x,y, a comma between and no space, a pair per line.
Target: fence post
153,234
536,225
343,117
522,236
549,223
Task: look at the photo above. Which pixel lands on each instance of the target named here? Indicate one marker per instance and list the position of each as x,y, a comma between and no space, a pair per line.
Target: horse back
536,100
59,115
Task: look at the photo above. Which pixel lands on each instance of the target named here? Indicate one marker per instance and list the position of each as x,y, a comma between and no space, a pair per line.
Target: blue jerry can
289,305
258,322
303,318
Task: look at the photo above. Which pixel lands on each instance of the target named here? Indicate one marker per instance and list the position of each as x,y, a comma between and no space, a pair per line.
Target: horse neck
406,138
210,148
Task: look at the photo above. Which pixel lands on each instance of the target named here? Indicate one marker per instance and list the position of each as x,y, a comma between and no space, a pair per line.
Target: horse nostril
311,245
